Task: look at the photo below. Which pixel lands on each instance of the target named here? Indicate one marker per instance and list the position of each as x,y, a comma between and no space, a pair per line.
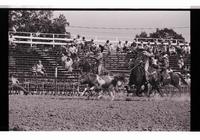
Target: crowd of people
155,52
154,55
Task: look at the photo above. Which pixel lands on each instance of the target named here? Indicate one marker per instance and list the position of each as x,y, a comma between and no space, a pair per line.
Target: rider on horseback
164,67
145,56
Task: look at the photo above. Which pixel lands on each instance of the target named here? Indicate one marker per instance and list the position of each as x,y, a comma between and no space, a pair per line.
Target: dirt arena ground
36,113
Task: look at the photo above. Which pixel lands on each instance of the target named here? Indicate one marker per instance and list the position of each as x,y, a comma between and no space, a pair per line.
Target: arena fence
70,85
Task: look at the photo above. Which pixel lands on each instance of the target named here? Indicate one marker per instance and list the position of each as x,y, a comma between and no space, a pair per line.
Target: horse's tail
182,79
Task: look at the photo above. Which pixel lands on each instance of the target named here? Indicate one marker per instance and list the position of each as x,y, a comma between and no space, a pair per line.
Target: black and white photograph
99,70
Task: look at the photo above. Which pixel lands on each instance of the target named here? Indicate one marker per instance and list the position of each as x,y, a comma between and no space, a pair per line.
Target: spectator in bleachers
179,50
40,68
172,50
107,46
63,58
11,39
82,43
34,70
181,62
112,48
73,52
133,44
78,40
188,79
67,62
93,47
187,49
15,84
119,47
125,47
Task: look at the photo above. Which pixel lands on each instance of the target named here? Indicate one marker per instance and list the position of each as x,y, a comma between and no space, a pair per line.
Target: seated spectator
34,70
11,39
187,49
172,50
15,84
188,79
78,40
40,68
133,44
107,46
119,47
63,58
73,52
68,64
125,47
82,43
93,47
181,62
179,50
112,48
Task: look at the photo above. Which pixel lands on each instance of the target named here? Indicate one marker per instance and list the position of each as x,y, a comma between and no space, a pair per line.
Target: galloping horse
137,77
166,78
101,84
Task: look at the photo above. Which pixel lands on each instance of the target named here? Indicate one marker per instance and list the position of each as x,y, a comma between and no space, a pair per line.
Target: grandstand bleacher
27,53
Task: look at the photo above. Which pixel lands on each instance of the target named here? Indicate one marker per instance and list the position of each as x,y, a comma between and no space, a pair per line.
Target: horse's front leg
146,89
100,95
112,94
83,93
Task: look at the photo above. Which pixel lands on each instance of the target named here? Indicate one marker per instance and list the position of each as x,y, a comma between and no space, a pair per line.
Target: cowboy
40,68
99,61
15,84
145,56
164,67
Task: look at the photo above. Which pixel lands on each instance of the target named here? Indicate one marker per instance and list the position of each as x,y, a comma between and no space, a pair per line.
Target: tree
166,34
59,24
37,21
142,35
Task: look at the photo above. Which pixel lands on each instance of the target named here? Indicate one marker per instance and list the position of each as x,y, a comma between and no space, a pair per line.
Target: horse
137,77
159,80
101,84
85,66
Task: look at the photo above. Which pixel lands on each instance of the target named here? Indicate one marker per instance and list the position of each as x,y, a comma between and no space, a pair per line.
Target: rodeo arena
58,82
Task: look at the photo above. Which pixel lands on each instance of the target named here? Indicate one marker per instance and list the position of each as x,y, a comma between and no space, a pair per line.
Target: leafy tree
142,35
37,21
166,33
161,33
59,24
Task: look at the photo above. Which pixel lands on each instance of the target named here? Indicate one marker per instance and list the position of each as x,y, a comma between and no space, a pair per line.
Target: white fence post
31,36
53,41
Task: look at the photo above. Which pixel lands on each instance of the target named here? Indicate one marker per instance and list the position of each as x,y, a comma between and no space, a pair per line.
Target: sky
125,19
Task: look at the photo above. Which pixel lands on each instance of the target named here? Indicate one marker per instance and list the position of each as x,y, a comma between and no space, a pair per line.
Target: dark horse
137,77
159,80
